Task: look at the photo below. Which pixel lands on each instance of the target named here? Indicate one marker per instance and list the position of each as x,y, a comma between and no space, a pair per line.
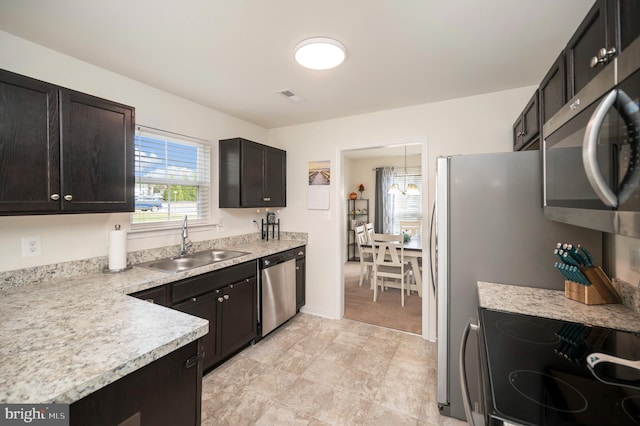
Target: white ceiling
235,55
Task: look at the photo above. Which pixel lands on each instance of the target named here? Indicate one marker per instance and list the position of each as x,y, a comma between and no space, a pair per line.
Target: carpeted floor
387,311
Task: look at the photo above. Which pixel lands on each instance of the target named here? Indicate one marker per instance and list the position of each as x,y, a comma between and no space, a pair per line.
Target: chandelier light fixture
410,189
320,53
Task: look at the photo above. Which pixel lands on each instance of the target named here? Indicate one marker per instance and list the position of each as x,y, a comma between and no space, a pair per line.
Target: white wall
468,125
73,237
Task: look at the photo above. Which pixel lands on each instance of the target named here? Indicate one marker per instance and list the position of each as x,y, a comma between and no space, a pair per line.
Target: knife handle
587,255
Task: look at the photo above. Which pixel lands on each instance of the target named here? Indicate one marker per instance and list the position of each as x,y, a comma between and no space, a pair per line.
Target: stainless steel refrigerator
490,227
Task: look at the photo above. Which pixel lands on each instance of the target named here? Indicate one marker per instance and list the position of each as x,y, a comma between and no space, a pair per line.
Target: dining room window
407,207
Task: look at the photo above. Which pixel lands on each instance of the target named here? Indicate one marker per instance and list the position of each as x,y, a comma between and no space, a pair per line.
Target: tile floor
316,371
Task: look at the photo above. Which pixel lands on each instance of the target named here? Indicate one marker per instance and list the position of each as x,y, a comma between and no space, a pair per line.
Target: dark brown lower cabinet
166,392
228,299
205,306
238,315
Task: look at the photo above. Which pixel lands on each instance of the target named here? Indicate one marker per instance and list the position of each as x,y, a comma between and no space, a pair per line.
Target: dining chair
388,251
369,228
365,253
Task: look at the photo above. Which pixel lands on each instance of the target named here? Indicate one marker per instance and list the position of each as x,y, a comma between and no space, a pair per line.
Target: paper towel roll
117,250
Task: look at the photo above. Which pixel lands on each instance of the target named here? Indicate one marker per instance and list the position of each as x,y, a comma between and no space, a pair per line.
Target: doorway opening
359,168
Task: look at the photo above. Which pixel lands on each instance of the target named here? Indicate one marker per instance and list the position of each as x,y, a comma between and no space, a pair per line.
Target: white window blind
407,207
172,178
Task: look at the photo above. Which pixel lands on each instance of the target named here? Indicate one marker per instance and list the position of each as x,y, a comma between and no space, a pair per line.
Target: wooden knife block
600,292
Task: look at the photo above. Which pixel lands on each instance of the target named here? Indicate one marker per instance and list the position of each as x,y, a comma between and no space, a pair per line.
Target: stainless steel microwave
591,152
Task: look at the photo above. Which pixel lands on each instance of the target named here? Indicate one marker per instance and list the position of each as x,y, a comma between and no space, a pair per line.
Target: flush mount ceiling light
320,53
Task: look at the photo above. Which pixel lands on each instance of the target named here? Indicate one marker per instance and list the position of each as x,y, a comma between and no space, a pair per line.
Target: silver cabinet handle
266,199
603,57
150,300
466,399
194,360
226,297
220,299
55,197
590,155
193,299
68,197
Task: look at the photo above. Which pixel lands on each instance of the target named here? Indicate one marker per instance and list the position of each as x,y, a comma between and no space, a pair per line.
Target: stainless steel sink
219,255
184,263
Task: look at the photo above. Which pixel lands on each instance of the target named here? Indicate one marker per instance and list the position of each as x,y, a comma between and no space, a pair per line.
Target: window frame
202,171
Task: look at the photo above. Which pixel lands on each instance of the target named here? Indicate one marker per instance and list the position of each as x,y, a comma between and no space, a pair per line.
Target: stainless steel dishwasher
277,289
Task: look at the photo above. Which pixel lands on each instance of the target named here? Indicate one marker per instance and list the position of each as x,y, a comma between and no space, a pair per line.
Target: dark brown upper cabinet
553,90
251,174
29,144
63,151
526,129
628,13
592,46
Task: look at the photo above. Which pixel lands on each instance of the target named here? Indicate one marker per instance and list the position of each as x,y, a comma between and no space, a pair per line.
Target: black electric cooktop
536,372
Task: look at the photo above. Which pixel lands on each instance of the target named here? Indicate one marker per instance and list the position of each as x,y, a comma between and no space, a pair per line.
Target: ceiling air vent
290,95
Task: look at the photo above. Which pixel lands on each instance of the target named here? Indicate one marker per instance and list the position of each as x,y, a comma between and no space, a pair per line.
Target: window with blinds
407,207
172,178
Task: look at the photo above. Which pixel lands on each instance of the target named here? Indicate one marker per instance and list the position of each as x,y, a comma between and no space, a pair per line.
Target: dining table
413,253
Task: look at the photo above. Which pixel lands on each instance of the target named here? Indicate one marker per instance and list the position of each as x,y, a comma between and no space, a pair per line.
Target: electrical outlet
31,246
634,257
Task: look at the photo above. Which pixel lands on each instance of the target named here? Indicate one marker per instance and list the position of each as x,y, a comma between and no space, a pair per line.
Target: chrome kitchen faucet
186,242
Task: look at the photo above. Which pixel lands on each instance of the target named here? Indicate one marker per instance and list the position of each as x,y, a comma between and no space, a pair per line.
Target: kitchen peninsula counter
62,339
553,304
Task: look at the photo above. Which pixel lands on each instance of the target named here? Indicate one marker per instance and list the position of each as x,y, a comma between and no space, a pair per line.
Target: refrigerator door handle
590,155
466,399
434,247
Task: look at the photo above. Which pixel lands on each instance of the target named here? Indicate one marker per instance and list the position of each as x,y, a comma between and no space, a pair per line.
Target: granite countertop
553,304
64,338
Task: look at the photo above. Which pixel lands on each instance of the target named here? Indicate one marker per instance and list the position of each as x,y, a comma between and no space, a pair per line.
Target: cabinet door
205,307
596,31
518,132
29,145
526,128
552,90
252,172
97,154
628,15
530,118
165,392
238,315
275,166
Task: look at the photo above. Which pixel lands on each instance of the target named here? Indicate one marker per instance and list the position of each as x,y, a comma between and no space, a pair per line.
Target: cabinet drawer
157,295
204,283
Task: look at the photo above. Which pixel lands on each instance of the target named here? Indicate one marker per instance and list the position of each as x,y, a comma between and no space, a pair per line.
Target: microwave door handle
630,113
589,153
